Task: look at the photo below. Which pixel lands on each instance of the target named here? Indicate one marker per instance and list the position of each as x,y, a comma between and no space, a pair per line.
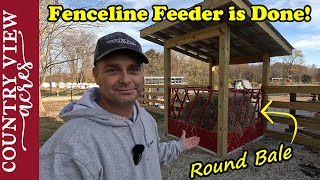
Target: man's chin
128,100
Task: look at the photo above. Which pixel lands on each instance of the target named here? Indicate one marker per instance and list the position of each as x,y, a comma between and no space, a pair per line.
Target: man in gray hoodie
106,134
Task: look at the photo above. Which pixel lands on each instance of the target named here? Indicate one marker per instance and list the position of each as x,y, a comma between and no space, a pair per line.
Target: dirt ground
305,163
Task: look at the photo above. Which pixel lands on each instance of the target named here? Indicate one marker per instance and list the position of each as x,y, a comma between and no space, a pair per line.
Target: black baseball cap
118,42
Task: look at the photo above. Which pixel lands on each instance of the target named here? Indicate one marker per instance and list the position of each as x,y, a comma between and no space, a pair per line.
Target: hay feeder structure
196,110
217,114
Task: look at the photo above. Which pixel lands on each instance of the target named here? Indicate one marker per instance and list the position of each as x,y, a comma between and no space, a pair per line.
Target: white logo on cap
122,41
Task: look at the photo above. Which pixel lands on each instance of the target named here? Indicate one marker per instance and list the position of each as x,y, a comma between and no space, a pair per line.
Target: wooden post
265,82
224,59
265,75
211,75
149,96
293,98
167,83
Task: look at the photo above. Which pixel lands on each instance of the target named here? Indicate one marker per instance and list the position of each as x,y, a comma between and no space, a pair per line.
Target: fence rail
293,89
307,124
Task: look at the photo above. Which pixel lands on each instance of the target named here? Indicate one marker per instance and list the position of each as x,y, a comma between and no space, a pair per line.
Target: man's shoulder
69,133
72,126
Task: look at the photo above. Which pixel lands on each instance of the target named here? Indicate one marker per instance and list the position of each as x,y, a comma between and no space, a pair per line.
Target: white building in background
45,85
181,80
91,85
54,84
84,85
154,80
69,85
149,80
75,85
62,85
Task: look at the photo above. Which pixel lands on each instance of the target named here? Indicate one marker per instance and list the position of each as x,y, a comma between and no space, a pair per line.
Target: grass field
49,122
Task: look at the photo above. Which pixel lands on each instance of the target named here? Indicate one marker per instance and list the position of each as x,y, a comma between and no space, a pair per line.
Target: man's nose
125,78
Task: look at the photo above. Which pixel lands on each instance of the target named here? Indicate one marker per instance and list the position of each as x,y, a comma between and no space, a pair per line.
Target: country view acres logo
16,86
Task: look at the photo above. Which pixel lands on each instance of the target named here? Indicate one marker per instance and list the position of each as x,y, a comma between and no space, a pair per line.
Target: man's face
120,79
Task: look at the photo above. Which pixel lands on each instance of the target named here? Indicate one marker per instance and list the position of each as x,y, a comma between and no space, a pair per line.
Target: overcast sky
301,35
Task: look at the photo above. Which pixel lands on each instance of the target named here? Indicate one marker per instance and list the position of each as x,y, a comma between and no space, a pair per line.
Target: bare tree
78,52
51,34
317,77
196,71
155,65
312,71
294,64
278,69
179,64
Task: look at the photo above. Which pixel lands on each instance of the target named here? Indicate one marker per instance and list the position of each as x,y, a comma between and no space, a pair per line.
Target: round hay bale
246,113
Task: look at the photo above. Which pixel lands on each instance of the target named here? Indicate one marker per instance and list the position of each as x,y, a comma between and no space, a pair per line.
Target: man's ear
95,73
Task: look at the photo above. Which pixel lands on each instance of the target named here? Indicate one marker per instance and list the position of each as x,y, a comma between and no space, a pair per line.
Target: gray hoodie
96,144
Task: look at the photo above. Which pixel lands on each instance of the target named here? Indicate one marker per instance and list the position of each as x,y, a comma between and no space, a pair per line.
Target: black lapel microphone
137,153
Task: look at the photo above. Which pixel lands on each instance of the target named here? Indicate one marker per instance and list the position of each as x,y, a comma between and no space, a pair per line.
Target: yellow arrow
265,114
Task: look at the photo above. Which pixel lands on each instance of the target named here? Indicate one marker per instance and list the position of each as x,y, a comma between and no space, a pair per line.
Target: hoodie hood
87,108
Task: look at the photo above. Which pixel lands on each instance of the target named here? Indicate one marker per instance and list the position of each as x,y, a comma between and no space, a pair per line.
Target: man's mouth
125,90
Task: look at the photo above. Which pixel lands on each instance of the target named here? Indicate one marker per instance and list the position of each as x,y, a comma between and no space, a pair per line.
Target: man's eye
134,69
111,70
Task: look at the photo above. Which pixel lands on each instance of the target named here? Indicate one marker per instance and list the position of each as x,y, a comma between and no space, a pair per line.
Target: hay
246,116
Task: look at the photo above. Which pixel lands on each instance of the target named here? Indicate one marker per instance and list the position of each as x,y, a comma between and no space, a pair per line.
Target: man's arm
169,151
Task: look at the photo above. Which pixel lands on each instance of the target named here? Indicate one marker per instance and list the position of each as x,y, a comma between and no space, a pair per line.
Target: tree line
292,68
66,55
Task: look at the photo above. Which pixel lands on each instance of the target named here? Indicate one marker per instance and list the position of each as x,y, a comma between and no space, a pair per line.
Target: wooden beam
224,59
185,86
251,41
197,26
153,86
210,74
167,84
208,4
265,82
293,98
265,77
209,47
308,141
196,56
208,53
206,33
306,106
152,93
294,89
308,122
213,74
265,27
247,59
186,46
